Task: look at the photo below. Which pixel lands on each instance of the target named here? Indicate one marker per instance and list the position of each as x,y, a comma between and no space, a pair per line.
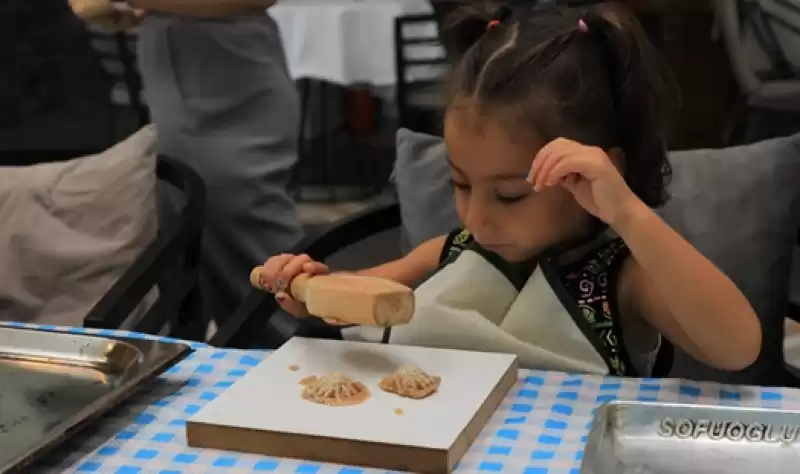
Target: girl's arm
202,8
279,271
683,295
412,268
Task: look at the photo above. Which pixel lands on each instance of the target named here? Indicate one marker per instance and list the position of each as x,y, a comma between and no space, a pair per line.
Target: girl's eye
459,186
511,199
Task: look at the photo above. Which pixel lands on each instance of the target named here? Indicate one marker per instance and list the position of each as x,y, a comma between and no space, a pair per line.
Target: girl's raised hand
588,173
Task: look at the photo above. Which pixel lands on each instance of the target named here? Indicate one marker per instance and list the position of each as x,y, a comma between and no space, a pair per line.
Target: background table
540,428
342,41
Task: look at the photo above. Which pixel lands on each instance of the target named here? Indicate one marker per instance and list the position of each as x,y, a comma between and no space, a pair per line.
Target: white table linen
345,42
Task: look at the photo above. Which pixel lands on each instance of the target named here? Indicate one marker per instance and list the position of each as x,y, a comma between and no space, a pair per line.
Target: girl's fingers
335,322
271,269
545,173
538,162
561,158
580,165
257,278
557,146
292,268
570,182
291,305
315,268
276,274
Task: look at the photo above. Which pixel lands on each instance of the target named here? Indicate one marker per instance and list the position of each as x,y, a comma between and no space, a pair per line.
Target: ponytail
646,97
468,24
463,29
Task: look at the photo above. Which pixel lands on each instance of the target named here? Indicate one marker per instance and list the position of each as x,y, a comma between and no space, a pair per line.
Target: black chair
421,63
169,263
769,101
248,327
117,53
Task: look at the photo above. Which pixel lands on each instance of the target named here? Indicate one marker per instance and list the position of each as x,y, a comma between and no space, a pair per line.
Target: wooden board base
211,433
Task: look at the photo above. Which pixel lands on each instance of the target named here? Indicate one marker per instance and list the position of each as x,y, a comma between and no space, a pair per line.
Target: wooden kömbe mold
378,405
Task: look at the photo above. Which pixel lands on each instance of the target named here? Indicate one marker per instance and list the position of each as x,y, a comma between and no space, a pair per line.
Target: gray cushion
422,181
739,206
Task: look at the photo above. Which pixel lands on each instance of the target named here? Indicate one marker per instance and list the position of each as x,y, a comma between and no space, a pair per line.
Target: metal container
659,438
53,383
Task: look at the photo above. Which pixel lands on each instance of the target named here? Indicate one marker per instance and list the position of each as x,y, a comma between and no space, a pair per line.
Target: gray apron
221,98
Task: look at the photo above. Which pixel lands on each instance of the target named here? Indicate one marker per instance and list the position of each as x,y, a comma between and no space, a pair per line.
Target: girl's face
494,201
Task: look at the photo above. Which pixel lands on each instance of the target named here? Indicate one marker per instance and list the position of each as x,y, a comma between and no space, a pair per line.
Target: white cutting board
268,398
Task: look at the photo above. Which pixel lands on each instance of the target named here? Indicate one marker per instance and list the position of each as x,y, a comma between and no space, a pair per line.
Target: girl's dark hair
588,75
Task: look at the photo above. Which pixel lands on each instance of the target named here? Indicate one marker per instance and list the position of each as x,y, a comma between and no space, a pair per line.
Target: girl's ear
617,156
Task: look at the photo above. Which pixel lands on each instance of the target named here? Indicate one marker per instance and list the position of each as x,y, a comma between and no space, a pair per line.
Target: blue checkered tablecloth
540,428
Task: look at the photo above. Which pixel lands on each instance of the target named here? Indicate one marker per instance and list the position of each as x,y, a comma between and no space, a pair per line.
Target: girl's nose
478,223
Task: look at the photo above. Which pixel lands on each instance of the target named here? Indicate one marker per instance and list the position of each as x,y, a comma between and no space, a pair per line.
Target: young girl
555,135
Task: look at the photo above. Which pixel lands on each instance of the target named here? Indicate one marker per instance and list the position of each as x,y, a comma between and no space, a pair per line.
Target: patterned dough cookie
410,381
334,389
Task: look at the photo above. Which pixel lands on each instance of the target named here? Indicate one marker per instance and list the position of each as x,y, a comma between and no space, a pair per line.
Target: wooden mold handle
257,278
298,287
349,298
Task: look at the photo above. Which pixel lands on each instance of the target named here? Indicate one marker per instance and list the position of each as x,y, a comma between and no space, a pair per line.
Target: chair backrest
170,263
762,38
729,21
782,18
117,51
420,58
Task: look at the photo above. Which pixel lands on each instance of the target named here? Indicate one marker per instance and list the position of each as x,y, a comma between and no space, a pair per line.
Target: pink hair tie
582,26
492,24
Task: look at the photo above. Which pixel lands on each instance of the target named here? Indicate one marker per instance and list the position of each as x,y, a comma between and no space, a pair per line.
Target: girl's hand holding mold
589,174
277,274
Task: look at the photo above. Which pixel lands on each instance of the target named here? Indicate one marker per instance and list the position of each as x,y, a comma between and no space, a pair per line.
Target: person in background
556,139
217,85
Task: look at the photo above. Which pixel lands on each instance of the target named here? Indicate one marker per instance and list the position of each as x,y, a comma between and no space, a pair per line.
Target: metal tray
658,438
53,383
